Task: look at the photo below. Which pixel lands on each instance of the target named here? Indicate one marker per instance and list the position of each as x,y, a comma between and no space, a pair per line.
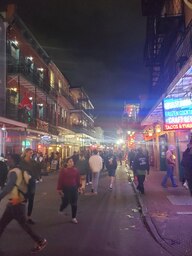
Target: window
52,80
60,85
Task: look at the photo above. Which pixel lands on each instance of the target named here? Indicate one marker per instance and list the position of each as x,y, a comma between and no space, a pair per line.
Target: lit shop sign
177,114
46,139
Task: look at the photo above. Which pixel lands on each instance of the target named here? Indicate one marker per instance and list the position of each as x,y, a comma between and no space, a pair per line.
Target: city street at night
109,223
96,115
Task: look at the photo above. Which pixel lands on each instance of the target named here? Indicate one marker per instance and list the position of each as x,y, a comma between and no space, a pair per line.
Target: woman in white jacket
96,164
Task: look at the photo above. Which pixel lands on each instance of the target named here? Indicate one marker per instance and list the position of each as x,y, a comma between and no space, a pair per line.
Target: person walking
75,157
186,163
96,164
89,172
28,164
140,168
170,165
111,165
68,185
131,156
15,208
83,166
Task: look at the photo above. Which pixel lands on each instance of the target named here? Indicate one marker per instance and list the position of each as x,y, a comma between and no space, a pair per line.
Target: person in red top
68,184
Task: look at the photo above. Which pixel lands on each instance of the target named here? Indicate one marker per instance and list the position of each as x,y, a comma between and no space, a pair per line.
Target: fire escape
164,26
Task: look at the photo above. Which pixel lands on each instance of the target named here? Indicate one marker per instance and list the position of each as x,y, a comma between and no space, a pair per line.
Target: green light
26,143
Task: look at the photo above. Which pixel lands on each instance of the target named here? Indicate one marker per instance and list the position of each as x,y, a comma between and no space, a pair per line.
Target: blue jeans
95,181
169,174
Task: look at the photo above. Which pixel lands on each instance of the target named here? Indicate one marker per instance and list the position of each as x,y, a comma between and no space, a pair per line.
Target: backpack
23,187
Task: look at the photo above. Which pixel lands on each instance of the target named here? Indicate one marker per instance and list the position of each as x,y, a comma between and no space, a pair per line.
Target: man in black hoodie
140,168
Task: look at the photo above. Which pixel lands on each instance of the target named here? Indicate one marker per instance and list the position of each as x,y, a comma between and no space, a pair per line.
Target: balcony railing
173,63
67,96
82,129
20,67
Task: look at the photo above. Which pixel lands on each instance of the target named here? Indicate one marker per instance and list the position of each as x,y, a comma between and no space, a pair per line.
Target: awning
9,123
180,87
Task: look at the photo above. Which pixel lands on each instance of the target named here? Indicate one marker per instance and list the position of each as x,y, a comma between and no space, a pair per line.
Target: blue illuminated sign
177,113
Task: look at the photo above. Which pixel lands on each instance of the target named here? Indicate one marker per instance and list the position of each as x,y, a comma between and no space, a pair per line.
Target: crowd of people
20,174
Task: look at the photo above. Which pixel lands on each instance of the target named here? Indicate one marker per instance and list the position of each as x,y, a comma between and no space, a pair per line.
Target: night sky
97,44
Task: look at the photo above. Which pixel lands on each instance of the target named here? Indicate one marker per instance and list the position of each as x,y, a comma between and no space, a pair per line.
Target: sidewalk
167,213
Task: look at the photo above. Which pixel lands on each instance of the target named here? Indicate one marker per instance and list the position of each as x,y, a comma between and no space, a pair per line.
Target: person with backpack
140,168
15,208
186,163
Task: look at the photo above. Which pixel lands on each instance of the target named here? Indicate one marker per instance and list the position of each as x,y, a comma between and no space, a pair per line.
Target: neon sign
177,114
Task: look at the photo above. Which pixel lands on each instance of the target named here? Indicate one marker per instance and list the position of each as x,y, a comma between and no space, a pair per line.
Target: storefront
173,115
12,133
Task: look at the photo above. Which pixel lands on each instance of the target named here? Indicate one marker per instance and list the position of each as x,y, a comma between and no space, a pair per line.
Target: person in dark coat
83,166
75,157
140,168
33,168
186,163
111,165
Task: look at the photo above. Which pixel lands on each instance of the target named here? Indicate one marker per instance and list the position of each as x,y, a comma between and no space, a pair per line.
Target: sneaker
39,246
185,185
74,220
110,186
30,221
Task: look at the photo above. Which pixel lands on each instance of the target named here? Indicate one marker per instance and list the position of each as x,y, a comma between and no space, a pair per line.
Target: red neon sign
178,126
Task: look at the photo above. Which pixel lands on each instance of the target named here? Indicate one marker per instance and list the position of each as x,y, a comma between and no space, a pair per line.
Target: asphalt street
110,223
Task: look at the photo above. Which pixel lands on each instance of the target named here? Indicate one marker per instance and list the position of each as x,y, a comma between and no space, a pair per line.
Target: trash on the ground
135,210
130,216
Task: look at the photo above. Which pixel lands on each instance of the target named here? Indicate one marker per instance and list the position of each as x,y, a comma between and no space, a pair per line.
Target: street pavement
168,214
110,223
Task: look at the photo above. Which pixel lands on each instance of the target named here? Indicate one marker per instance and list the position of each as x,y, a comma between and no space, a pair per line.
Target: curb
151,226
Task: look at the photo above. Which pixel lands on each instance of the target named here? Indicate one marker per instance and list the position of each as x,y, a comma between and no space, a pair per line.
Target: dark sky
97,44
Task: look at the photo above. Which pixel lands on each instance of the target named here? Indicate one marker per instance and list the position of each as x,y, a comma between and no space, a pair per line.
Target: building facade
168,53
39,108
